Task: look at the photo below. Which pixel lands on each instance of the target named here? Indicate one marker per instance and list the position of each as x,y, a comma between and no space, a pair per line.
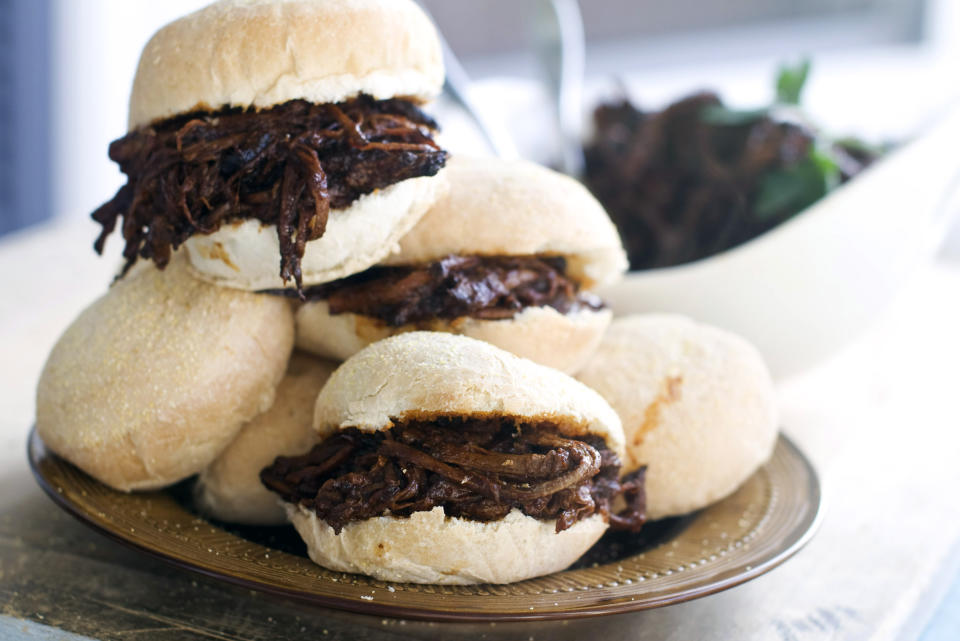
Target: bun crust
260,53
697,403
229,489
429,547
501,208
154,379
427,374
245,254
541,334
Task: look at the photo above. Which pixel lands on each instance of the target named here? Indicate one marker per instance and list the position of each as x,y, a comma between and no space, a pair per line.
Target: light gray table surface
880,421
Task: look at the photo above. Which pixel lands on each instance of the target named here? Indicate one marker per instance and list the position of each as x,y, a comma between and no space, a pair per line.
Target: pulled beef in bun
251,145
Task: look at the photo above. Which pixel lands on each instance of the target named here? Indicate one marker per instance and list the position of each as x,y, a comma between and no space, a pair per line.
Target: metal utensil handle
561,49
456,86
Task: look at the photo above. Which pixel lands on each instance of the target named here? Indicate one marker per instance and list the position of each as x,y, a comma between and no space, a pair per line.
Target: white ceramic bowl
804,289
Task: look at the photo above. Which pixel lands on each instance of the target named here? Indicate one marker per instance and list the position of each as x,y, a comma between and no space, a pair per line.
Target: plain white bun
153,380
429,547
229,489
697,403
245,254
420,375
260,53
541,334
517,208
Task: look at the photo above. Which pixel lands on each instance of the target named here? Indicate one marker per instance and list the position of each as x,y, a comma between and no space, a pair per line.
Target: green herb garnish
784,191
790,82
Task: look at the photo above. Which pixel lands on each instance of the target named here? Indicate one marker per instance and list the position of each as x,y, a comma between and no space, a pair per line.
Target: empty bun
230,488
500,208
260,53
697,403
153,380
541,334
429,547
245,254
420,375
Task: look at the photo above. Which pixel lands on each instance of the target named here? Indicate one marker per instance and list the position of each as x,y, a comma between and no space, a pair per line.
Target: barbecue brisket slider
229,489
280,141
447,460
507,256
697,403
155,378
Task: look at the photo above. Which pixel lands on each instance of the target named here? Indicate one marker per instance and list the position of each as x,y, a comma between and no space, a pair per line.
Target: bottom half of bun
430,547
245,254
540,334
245,505
229,489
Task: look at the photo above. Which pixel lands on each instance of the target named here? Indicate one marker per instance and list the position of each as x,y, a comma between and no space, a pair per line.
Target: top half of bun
424,375
151,381
260,53
516,208
697,403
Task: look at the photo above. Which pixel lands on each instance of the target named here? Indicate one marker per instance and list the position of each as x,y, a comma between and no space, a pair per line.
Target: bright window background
498,25
80,57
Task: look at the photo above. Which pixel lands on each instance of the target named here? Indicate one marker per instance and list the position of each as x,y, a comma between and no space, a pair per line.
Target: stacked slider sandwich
284,189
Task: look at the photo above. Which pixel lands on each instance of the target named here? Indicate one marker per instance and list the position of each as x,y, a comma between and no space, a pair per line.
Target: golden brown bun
245,254
155,378
541,334
229,489
426,374
260,53
499,208
428,547
697,403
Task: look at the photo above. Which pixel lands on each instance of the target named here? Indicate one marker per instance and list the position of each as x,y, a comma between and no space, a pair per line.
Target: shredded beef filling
472,468
680,187
486,287
284,166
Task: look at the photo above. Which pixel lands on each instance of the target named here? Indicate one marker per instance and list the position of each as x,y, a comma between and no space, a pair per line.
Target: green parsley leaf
826,162
785,192
790,81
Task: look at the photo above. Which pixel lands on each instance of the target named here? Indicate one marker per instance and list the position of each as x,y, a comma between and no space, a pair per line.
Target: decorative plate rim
798,537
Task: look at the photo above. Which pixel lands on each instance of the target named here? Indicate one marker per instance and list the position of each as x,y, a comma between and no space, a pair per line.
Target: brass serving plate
765,522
